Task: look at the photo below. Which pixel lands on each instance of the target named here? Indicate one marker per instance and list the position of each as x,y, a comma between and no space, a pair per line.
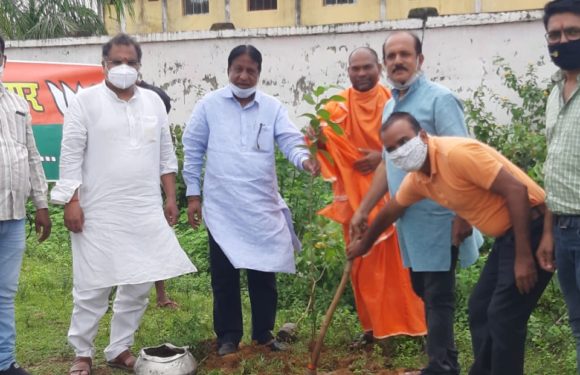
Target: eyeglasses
131,63
555,36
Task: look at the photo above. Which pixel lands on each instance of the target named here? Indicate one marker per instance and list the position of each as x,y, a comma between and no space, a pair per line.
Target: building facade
154,16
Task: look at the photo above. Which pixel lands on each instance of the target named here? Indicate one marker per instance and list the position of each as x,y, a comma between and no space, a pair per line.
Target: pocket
263,140
151,132
567,233
18,130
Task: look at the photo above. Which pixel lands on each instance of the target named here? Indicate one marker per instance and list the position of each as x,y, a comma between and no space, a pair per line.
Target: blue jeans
11,252
567,242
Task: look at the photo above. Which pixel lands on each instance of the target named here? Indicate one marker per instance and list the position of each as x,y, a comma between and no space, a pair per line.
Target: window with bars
262,4
338,2
195,6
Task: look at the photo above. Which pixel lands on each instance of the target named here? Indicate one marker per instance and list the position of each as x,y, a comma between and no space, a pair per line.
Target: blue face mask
566,55
242,93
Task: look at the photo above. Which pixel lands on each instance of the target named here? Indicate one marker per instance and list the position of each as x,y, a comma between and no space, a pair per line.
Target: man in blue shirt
236,129
430,236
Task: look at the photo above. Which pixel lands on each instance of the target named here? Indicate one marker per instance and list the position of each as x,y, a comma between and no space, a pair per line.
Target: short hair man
21,176
385,301
116,149
249,225
562,177
431,238
479,184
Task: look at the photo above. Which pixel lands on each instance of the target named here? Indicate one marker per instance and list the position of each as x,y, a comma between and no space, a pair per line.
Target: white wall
459,51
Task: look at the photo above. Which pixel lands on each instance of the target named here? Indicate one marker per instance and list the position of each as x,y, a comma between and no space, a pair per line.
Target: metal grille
196,6
262,4
338,2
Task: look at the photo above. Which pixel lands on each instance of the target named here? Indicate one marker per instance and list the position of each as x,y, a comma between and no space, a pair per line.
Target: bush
522,138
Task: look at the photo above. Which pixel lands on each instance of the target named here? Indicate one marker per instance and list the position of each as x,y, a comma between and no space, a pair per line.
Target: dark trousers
227,304
437,290
498,313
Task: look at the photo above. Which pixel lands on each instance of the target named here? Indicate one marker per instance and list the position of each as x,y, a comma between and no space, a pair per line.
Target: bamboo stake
315,356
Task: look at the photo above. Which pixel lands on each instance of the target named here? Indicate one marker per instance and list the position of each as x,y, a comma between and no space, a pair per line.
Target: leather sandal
124,361
81,366
168,304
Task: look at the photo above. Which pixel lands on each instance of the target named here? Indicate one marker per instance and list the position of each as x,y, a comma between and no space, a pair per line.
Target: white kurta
115,151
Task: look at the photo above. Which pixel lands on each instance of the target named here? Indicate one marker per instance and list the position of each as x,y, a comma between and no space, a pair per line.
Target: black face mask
566,55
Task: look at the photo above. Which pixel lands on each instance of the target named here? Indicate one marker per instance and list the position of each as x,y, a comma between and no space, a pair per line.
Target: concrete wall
459,52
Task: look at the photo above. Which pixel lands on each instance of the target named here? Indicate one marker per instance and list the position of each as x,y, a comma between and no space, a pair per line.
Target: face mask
122,76
411,156
566,55
242,93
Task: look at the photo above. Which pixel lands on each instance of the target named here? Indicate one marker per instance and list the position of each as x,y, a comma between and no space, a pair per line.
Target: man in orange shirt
498,198
385,301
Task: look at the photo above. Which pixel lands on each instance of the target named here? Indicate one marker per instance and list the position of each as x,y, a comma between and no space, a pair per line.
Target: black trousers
437,290
498,313
227,304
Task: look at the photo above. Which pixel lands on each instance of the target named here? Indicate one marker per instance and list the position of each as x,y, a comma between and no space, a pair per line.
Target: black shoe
226,348
276,346
14,369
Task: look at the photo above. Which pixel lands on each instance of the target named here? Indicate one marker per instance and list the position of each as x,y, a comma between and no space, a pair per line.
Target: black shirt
162,94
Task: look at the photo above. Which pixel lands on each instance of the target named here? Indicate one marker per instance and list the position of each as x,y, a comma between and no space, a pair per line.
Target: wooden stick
315,356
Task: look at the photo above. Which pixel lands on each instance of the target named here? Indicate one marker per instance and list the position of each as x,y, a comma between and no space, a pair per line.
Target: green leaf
327,156
313,148
309,99
309,115
337,98
335,127
319,90
324,114
315,123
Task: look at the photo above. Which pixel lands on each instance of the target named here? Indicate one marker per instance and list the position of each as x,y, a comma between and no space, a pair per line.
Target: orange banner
49,86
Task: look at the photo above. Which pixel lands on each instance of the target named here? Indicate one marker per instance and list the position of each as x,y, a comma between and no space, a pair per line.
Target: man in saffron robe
385,301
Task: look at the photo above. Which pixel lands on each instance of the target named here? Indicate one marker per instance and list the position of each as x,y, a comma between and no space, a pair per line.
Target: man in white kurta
116,149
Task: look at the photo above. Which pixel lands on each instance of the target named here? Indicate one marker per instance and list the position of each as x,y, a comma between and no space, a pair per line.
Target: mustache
399,67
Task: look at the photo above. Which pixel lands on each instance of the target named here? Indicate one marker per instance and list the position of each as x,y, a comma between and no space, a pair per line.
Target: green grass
44,304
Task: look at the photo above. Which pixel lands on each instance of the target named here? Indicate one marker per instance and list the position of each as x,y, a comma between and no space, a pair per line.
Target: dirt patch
230,363
294,363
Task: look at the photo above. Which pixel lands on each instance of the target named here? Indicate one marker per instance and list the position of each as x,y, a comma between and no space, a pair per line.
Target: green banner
48,138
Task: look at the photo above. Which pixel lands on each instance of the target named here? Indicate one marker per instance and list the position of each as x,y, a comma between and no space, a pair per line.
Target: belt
563,221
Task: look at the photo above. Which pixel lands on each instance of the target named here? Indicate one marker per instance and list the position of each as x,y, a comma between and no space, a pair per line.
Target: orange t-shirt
462,172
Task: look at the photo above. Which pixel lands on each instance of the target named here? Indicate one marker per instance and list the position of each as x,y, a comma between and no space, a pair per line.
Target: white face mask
242,93
411,156
122,76
404,86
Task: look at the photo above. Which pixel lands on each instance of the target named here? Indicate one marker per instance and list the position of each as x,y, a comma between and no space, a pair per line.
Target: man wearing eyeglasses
116,150
562,175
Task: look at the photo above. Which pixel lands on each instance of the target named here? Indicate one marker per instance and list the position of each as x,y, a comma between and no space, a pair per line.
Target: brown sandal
80,365
168,304
124,361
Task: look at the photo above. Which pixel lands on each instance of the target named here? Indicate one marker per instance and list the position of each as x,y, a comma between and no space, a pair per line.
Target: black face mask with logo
566,55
